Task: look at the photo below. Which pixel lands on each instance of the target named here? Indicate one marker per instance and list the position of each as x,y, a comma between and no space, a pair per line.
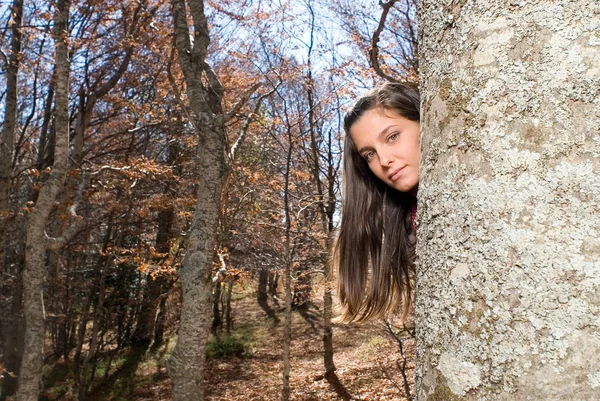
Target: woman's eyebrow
380,135
385,130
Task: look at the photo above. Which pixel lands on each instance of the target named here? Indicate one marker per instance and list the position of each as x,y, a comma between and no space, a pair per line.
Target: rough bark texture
186,364
508,295
37,242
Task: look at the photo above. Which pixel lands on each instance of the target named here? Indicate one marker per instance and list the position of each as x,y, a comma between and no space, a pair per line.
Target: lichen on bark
509,216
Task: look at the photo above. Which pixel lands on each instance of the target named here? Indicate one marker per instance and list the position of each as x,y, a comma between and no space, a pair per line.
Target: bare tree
11,67
324,167
288,256
204,92
10,327
37,242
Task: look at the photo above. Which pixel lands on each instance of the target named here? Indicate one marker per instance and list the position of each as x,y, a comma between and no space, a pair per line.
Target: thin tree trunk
287,327
159,328
62,343
326,209
228,320
216,322
101,265
12,331
46,137
508,239
144,330
273,281
10,123
263,277
90,358
11,327
37,243
186,364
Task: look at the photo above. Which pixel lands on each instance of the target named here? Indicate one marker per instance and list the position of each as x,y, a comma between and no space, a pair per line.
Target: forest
171,187
170,168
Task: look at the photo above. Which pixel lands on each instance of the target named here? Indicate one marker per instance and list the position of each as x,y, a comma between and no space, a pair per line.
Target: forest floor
367,358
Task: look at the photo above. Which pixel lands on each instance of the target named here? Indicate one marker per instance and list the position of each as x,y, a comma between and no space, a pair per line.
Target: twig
401,365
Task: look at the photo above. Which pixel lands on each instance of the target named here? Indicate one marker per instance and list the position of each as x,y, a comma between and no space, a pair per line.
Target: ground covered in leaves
247,365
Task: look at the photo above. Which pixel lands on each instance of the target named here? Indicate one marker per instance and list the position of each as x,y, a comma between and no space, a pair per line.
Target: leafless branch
176,91
401,364
247,123
374,51
243,100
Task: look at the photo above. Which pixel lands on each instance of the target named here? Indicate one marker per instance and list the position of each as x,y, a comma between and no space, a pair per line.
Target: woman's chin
403,186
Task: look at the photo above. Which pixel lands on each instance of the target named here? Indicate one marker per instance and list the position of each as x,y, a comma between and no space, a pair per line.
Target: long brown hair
374,251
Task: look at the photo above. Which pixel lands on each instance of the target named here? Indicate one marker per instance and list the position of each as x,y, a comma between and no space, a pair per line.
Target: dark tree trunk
159,328
216,323
146,321
273,282
13,327
263,277
9,124
228,319
12,324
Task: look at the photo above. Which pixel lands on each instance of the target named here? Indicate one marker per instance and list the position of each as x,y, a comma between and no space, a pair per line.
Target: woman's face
390,145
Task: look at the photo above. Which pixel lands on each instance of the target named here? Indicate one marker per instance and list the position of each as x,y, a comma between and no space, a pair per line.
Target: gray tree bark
204,92
37,242
508,301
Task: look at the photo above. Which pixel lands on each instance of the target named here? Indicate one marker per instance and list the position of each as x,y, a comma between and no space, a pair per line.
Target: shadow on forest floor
116,383
264,305
310,313
365,356
121,382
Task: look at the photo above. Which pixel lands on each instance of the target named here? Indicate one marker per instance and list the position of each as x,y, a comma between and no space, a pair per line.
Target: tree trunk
326,207
37,242
144,330
509,213
11,327
273,281
228,319
12,333
159,327
89,362
204,92
263,278
216,321
102,264
287,271
10,123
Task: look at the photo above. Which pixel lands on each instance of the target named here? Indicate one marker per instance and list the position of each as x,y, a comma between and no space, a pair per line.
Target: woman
374,251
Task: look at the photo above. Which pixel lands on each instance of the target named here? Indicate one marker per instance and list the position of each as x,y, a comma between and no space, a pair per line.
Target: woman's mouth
394,175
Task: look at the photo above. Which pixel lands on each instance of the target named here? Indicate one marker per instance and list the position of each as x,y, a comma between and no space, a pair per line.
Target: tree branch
56,243
374,51
243,100
401,365
247,123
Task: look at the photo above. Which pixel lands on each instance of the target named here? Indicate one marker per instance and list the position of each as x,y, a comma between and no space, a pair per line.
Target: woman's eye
369,155
393,137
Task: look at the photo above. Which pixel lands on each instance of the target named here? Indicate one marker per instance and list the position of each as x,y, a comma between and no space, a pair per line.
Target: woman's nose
386,160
